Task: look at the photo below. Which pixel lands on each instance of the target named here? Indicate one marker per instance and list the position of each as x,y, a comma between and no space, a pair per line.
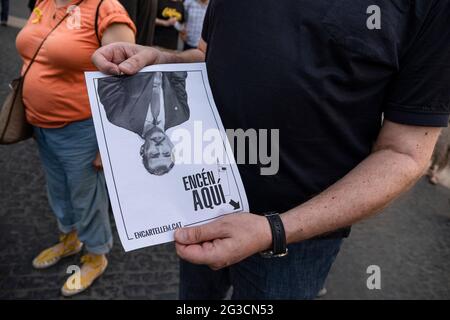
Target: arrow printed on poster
234,204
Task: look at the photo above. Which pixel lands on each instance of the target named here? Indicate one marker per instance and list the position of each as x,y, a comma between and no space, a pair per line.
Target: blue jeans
299,275
76,191
5,11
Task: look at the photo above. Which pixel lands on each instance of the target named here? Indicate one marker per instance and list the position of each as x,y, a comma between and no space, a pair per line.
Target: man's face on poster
156,152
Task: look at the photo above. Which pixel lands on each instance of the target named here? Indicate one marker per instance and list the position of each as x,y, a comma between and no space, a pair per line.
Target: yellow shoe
68,245
92,268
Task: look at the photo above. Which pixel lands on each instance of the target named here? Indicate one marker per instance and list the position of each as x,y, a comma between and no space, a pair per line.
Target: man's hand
97,163
225,241
127,58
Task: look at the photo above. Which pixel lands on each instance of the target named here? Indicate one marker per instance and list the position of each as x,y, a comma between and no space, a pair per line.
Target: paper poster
166,158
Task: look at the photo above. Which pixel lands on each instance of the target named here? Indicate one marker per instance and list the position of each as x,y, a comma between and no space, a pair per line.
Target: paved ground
410,241
19,8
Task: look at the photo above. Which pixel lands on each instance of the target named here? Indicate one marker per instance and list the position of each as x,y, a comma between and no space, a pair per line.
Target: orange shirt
54,91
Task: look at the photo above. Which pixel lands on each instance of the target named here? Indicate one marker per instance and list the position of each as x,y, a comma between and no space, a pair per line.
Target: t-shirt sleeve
111,11
420,93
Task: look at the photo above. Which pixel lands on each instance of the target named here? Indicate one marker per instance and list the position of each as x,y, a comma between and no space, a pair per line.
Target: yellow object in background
172,13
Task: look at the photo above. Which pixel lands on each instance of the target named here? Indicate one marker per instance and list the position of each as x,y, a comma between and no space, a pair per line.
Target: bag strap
97,13
42,43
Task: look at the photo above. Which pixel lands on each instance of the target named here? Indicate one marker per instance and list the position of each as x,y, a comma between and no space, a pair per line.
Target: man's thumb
195,235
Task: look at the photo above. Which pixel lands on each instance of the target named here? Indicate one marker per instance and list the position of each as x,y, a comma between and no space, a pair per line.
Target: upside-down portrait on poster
166,158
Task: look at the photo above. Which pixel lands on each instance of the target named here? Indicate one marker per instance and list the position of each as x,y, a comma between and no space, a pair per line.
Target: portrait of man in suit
148,104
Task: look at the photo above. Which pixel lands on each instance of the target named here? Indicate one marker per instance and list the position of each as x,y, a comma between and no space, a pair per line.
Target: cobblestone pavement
410,242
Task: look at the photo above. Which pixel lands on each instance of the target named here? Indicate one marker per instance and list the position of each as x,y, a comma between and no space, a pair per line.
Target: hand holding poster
166,158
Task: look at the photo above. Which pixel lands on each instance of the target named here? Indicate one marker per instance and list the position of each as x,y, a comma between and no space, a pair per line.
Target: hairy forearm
189,56
366,190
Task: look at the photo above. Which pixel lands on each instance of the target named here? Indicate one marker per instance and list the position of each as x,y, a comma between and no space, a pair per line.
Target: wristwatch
279,247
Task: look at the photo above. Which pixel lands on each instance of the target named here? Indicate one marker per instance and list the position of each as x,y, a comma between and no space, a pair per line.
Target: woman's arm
118,32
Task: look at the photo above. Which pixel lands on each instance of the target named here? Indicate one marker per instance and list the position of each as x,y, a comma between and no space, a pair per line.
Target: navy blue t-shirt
316,72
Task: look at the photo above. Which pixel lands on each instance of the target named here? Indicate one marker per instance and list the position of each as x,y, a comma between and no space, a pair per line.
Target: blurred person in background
195,11
143,14
5,13
57,105
169,20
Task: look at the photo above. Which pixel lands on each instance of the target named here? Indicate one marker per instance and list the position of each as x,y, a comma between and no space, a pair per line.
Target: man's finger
133,64
103,65
205,253
206,232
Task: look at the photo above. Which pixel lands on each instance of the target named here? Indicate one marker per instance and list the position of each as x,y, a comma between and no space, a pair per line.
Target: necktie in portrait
156,98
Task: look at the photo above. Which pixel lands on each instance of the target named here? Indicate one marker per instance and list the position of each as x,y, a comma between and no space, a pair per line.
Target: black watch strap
279,247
